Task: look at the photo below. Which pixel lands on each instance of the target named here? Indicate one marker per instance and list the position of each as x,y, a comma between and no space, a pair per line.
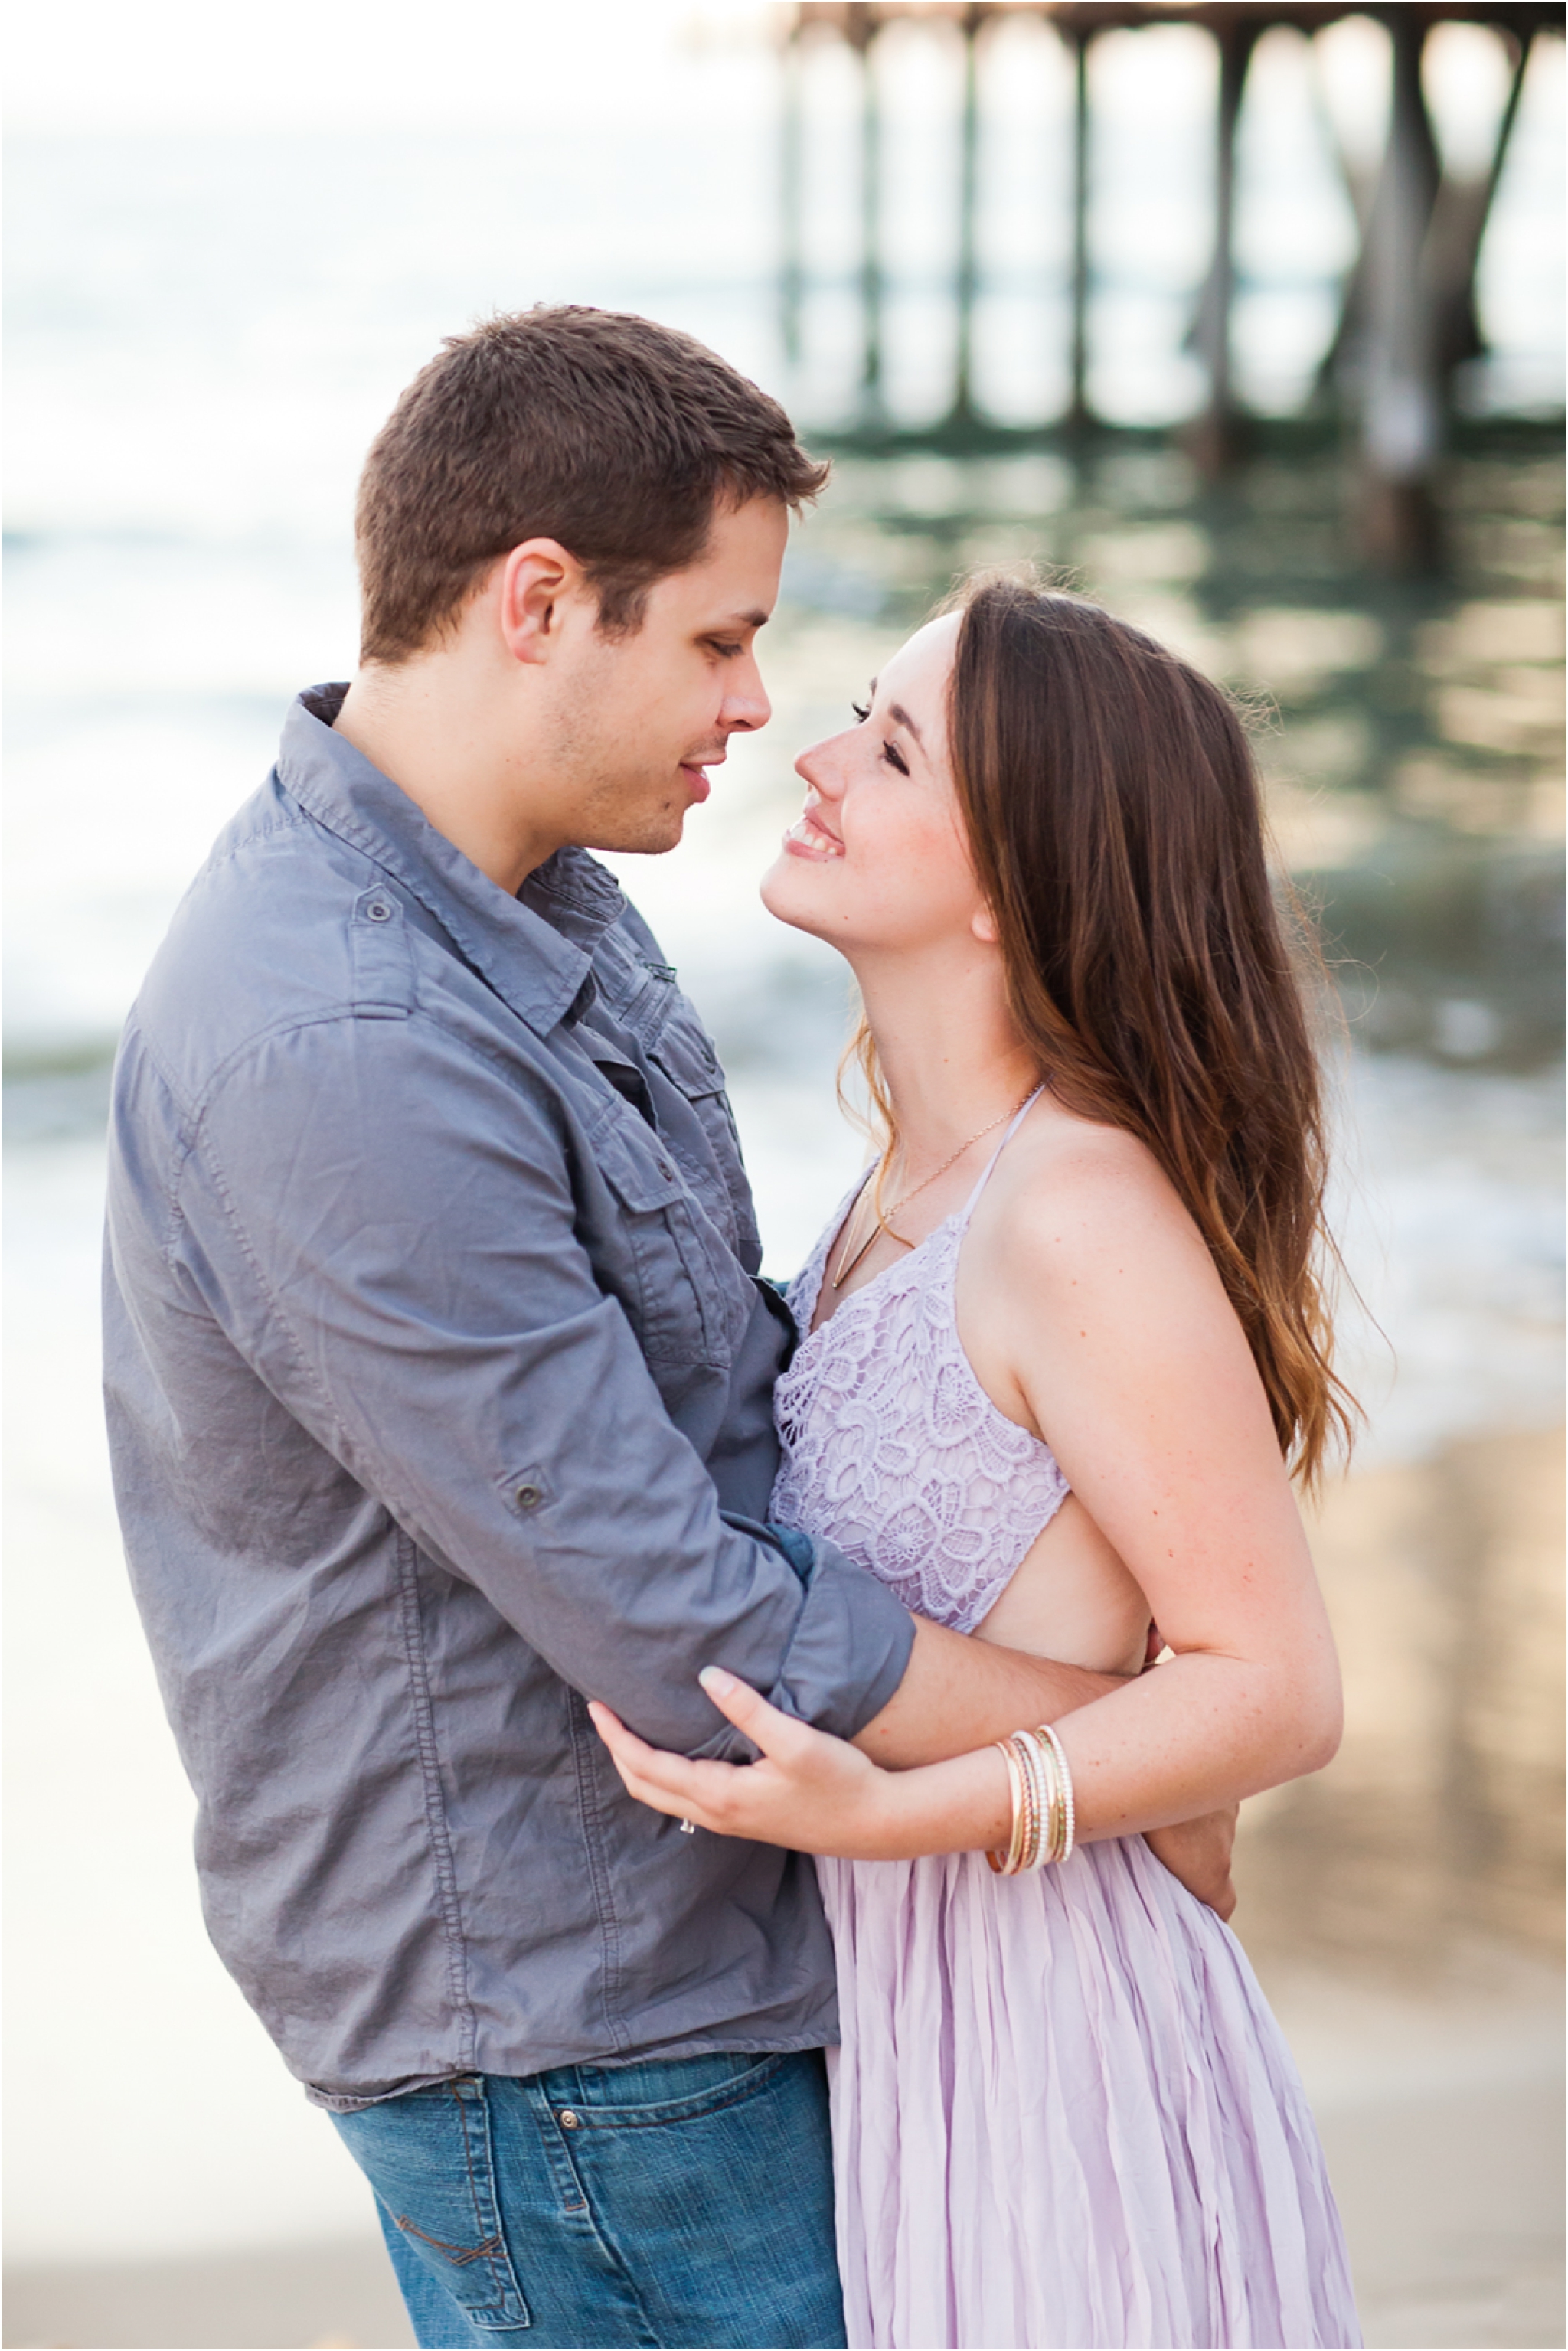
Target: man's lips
695,774
810,836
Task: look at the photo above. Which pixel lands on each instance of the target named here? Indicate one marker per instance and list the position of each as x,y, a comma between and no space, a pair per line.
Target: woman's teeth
806,836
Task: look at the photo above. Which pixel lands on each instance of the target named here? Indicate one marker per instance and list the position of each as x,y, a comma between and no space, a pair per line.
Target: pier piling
1408,315
1213,436
1078,396
968,276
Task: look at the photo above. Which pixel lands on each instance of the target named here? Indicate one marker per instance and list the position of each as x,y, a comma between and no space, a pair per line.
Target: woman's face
878,860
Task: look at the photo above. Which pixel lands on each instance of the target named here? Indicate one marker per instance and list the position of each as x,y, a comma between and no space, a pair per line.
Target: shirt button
379,910
666,1168
568,2121
527,1496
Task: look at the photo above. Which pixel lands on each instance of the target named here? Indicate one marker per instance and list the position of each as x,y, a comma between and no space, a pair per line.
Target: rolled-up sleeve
383,1222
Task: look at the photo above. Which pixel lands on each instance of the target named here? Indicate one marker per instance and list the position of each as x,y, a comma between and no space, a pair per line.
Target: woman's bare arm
1091,1310
958,1693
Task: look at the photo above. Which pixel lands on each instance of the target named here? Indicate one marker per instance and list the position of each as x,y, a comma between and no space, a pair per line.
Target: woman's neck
949,1053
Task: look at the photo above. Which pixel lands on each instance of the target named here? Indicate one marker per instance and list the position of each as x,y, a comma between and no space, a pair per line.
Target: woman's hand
810,1791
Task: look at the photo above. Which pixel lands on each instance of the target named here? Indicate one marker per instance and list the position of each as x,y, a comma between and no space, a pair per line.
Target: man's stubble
610,801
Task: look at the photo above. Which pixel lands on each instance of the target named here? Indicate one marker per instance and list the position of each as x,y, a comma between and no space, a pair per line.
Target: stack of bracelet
1043,1823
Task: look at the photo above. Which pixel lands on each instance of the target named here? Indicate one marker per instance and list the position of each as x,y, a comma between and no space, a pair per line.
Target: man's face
637,719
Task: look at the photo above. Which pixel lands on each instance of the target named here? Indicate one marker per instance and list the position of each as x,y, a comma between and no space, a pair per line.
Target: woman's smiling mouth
810,836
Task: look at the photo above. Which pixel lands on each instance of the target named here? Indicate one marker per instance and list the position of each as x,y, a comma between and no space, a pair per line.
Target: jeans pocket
430,2158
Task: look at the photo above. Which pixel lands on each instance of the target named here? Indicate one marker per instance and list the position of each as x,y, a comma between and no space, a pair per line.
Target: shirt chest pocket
683,1052
691,1298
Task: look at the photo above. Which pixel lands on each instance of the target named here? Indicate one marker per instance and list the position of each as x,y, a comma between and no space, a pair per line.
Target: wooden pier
1408,313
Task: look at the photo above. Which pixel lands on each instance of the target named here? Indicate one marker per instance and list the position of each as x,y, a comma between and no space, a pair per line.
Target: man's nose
745,703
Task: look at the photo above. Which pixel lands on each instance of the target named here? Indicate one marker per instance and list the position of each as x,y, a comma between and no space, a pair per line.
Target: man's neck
422,723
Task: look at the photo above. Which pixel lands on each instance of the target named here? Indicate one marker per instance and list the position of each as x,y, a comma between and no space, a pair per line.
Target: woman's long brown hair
1114,817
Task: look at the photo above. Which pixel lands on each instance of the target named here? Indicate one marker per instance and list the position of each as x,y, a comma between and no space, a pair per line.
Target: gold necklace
884,1223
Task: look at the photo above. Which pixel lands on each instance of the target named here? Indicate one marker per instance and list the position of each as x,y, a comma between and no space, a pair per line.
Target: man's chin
649,836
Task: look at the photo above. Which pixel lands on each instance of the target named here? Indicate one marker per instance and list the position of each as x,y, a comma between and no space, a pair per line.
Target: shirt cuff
851,1646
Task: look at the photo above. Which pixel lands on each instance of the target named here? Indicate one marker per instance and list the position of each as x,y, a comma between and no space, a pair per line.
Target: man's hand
1198,1854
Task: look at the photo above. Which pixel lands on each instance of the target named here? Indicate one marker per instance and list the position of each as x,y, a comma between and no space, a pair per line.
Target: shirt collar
535,950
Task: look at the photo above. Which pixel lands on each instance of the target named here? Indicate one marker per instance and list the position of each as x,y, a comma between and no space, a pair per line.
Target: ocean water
204,331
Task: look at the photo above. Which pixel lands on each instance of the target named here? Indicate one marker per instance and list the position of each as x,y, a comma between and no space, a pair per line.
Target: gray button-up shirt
438,1385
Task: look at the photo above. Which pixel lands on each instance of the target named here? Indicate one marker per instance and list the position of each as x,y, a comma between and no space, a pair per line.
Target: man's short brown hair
608,433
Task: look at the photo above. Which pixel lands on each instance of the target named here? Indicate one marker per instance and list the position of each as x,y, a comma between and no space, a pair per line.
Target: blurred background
1250,327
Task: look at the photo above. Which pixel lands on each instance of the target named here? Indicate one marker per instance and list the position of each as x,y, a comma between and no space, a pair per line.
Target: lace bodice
891,1447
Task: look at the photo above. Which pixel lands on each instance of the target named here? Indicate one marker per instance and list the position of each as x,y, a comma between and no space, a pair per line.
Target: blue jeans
683,2201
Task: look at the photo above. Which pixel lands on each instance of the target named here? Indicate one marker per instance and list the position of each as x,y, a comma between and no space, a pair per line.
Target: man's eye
862,711
726,653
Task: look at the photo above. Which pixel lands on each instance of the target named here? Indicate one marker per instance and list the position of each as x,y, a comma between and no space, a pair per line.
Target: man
438,1381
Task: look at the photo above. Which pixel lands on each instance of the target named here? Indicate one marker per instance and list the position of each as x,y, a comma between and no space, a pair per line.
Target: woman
1061,1349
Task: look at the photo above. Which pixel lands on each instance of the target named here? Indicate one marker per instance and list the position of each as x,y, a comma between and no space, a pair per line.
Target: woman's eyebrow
901,716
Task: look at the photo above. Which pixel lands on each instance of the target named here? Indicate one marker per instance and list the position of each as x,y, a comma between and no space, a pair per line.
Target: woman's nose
819,768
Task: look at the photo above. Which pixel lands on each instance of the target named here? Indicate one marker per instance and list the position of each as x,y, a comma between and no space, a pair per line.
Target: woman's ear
985,927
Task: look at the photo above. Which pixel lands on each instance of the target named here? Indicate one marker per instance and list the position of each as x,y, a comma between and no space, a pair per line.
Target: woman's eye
890,751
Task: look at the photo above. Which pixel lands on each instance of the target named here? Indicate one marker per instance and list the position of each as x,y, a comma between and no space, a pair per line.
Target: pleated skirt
1064,2116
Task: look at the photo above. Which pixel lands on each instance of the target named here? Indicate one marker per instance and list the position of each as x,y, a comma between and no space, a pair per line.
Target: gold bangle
1042,1767
1029,1833
1042,1789
1028,1822
1051,1799
1026,1778
1044,1821
1029,1842
1065,1832
1005,1861
1043,1763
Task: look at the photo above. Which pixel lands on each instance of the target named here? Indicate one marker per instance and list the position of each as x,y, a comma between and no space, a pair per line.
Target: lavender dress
1062,2113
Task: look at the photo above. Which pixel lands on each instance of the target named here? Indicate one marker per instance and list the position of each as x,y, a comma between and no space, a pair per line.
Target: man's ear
537,580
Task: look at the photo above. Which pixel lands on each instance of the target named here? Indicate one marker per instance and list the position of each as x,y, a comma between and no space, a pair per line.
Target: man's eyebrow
742,620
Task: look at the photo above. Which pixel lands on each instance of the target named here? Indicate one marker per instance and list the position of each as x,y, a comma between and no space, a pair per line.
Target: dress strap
1018,1117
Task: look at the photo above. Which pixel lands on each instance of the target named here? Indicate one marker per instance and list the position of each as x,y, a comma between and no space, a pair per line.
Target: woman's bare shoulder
1071,1192
1060,1155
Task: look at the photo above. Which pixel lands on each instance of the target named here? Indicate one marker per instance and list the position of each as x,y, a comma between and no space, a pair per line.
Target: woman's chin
791,892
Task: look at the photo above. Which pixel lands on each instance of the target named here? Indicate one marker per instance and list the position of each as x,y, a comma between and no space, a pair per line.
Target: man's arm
384,1226
383,1222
